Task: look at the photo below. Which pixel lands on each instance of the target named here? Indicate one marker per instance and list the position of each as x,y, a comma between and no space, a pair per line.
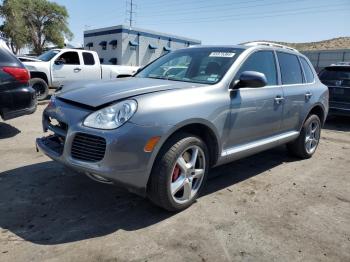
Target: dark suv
337,78
17,98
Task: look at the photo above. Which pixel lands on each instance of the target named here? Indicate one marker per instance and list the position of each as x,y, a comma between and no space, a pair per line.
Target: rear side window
8,59
88,58
309,75
290,69
262,62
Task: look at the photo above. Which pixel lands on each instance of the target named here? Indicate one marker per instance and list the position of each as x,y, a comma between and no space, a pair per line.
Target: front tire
179,172
306,144
41,88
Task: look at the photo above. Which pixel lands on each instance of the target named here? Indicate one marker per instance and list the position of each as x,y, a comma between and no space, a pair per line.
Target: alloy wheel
188,174
312,137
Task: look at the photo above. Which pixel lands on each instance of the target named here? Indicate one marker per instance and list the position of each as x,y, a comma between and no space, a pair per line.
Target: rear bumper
18,102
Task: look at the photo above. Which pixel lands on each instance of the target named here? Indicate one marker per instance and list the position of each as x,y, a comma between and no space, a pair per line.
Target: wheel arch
198,127
37,74
318,110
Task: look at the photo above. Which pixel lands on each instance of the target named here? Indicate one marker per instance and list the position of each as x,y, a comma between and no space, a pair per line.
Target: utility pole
130,10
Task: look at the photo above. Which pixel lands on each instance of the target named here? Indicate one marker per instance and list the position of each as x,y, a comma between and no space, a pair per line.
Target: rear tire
306,144
41,88
179,172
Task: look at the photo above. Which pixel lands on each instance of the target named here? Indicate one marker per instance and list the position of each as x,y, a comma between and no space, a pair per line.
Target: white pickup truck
57,67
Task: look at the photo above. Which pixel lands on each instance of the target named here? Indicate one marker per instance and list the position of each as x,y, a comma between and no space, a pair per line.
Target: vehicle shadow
46,204
7,131
338,123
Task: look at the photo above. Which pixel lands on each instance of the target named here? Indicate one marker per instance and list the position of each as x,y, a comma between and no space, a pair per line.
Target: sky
218,21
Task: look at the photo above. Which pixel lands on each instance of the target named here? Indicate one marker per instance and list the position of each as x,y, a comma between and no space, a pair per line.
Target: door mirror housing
250,79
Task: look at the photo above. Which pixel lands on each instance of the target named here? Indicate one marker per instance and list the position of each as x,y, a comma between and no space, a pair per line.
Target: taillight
20,74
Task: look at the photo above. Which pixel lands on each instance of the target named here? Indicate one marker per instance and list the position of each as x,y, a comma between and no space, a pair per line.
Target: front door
67,67
256,113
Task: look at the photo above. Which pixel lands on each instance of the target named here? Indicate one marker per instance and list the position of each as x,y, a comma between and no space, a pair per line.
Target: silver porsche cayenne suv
159,132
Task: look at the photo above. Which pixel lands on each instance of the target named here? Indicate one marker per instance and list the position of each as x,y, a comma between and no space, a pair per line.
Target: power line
254,17
251,15
221,8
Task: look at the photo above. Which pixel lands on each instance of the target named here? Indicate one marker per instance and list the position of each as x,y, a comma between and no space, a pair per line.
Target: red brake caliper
176,173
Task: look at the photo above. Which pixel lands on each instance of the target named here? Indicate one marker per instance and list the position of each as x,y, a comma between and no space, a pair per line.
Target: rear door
69,68
91,69
297,92
337,78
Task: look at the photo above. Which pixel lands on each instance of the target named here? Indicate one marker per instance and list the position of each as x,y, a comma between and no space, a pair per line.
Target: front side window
309,75
70,58
262,62
88,58
290,69
197,65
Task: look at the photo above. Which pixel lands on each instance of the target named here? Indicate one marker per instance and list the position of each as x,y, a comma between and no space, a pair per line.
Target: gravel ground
269,207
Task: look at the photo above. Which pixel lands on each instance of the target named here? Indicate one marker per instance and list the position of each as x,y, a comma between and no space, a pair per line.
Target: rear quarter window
8,59
309,75
290,69
88,58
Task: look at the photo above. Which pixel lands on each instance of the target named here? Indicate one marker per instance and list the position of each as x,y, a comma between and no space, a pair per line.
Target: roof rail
270,44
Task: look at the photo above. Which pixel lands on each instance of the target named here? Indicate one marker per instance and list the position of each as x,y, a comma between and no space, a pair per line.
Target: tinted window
262,62
337,76
8,59
70,58
88,58
290,69
309,75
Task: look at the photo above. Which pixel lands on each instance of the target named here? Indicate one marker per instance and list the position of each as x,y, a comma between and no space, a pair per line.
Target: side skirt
252,148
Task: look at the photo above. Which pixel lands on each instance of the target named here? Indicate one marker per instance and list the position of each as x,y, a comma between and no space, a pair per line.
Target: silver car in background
158,134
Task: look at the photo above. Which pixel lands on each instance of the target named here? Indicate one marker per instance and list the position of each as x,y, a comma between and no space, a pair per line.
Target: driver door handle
77,70
279,99
308,95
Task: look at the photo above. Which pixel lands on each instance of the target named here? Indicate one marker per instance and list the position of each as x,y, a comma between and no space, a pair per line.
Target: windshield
47,56
339,76
197,65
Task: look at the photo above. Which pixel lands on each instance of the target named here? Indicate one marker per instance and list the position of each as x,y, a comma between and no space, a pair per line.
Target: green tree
41,21
14,27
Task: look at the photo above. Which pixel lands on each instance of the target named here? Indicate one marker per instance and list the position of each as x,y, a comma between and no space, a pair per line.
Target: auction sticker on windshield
222,54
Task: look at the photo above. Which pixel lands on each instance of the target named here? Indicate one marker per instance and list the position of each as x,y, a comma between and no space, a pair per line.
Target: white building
136,47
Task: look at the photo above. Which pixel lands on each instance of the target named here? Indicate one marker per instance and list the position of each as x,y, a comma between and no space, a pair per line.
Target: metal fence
322,58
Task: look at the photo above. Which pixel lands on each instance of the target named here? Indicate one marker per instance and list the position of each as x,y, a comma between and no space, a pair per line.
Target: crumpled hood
98,93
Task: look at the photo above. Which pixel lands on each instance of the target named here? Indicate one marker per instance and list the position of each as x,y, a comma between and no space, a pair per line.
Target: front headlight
113,116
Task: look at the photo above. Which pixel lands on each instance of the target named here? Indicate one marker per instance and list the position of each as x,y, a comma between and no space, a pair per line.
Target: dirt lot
269,207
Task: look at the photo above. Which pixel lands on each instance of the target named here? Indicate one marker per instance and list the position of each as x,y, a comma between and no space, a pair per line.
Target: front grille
88,147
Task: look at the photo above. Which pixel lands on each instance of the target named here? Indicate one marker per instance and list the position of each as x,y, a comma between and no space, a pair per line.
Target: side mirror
250,79
59,62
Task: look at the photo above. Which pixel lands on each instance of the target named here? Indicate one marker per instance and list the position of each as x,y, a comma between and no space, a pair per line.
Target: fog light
152,142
